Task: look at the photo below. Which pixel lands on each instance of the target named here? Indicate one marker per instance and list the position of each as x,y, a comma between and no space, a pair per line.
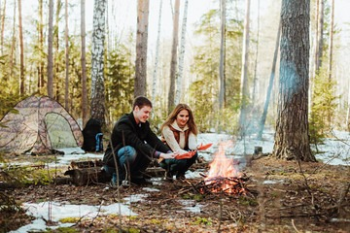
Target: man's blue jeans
126,156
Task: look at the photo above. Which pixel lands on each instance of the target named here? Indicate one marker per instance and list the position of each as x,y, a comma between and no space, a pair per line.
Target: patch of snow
135,198
191,206
59,211
147,189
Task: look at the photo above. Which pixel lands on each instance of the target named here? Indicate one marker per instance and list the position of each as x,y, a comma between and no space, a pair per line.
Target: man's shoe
140,181
180,177
169,176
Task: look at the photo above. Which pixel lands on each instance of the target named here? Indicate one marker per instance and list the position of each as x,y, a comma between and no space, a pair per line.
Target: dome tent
40,125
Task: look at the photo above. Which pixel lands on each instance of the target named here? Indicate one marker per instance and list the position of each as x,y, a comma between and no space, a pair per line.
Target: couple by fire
133,144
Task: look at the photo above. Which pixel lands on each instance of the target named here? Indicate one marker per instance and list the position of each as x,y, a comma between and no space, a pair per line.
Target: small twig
97,213
295,228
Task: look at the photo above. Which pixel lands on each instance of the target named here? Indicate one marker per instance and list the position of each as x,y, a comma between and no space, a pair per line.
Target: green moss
203,221
247,201
69,220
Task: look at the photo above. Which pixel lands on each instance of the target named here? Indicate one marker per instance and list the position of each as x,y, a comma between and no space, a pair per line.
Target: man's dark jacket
140,136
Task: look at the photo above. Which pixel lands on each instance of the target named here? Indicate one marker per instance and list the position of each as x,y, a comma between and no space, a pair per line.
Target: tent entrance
59,132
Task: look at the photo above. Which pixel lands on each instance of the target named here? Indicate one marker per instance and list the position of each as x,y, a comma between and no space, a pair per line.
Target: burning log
224,185
224,175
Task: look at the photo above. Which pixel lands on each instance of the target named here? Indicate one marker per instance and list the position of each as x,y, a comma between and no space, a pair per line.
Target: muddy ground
281,196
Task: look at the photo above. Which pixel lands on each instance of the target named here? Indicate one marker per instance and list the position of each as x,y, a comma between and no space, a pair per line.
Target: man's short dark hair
141,101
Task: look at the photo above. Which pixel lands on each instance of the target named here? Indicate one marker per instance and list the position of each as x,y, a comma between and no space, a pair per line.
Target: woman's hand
168,155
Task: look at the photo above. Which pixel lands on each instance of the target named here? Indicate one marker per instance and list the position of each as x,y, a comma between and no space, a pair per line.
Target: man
133,145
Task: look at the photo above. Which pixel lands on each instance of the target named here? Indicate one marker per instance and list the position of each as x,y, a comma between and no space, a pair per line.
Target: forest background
24,52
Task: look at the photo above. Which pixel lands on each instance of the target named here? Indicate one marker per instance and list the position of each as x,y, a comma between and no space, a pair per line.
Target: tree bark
41,79
330,54
97,64
222,55
173,64
141,48
50,54
154,79
2,27
244,74
57,47
292,130
20,30
182,56
84,101
320,37
66,35
255,79
13,43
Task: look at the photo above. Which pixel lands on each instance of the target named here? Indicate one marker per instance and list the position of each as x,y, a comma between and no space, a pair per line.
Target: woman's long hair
172,117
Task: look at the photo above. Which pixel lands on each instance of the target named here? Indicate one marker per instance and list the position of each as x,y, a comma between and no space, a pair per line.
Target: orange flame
222,166
222,169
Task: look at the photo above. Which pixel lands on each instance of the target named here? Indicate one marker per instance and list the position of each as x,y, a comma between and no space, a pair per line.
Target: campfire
224,175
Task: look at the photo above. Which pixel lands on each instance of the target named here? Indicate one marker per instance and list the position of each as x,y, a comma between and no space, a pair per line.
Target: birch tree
330,50
222,55
154,79
244,72
13,42
292,130
41,79
255,80
173,64
20,30
141,48
319,53
97,63
66,51
179,77
2,26
84,101
57,48
50,54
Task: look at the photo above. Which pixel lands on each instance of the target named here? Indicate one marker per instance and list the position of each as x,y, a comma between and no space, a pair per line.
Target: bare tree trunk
84,101
244,73
255,80
315,55
20,30
57,47
182,56
13,44
154,82
2,27
347,121
173,64
66,35
97,65
331,32
222,55
50,55
292,129
270,87
41,79
141,48
320,37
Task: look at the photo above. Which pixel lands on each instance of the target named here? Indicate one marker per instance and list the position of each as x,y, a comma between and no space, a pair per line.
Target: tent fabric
92,134
40,126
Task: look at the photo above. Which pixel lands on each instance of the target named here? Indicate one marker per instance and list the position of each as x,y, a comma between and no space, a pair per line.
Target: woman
180,133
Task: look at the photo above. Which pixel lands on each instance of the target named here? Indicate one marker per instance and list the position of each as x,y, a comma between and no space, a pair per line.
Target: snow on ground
59,211
334,151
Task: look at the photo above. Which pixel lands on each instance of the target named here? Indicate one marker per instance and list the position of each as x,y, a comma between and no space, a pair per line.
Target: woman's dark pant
178,166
